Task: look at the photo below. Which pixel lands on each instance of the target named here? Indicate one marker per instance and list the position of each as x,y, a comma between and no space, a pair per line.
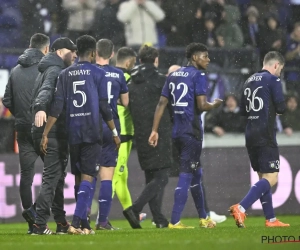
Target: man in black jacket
55,161
17,99
144,91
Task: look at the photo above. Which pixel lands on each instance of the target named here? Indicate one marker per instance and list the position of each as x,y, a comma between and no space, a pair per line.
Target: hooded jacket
145,91
18,93
49,67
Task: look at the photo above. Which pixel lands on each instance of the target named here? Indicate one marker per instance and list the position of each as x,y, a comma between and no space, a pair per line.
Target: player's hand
288,131
217,102
40,118
218,131
153,139
117,141
43,144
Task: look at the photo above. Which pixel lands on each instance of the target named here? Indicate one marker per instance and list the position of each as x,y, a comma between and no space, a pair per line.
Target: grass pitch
225,236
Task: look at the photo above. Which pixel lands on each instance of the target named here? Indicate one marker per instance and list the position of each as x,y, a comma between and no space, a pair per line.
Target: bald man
173,68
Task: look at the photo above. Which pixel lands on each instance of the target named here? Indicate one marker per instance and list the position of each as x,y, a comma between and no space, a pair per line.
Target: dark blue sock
180,196
267,204
105,198
255,192
85,224
76,188
92,194
197,193
82,200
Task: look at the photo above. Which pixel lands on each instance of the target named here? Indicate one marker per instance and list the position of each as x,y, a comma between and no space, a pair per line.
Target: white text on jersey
184,74
112,74
80,72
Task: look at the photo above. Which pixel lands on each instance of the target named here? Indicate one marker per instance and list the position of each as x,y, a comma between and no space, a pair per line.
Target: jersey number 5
76,91
251,98
185,88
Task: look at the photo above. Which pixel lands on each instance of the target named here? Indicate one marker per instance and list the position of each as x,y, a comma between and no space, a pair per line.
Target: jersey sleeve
277,96
102,85
123,85
57,104
165,90
200,83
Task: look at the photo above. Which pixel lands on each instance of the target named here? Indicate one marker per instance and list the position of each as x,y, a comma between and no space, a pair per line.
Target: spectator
290,119
227,119
295,7
140,18
81,16
229,33
106,25
250,27
202,31
213,7
292,57
271,37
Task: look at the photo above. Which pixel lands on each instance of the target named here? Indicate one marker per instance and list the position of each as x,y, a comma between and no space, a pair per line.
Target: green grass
225,236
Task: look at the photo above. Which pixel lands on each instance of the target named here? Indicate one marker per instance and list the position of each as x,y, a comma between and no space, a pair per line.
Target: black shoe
41,230
30,228
29,215
132,218
108,226
62,228
162,225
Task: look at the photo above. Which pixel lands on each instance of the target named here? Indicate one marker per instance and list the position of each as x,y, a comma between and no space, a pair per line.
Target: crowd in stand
230,24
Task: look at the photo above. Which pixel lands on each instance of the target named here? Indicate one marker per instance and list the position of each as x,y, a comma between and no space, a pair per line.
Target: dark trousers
27,157
51,194
156,180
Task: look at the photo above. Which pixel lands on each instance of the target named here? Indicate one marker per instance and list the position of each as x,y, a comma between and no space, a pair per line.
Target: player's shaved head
124,54
85,45
173,68
105,48
193,49
272,57
39,41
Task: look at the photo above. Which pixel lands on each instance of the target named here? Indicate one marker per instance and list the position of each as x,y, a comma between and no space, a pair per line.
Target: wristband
115,132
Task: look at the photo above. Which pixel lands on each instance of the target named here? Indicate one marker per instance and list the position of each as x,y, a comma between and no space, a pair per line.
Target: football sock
197,193
76,188
180,196
266,202
255,192
92,194
105,198
85,223
82,201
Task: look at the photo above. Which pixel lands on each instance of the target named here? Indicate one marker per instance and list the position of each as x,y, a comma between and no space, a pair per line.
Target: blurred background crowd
237,32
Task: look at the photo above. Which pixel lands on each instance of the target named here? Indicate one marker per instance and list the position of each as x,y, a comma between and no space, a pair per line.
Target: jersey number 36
255,103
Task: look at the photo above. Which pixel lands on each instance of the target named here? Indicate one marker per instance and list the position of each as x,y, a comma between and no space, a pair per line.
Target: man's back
116,85
81,86
261,93
181,88
19,90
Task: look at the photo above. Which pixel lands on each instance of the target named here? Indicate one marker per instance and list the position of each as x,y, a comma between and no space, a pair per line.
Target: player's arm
160,108
243,111
8,101
278,97
204,105
55,111
124,96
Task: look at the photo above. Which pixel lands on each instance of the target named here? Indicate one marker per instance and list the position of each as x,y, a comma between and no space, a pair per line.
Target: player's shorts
85,158
264,159
189,150
109,155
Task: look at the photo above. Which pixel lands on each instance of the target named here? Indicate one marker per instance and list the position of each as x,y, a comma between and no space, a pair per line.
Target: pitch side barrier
227,177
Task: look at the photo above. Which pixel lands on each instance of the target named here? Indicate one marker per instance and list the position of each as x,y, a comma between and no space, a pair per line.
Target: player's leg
184,182
58,201
89,209
27,157
155,203
54,162
121,175
87,154
198,197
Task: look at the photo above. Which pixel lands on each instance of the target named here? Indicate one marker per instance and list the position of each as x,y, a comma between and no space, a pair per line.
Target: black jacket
144,91
50,67
18,93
